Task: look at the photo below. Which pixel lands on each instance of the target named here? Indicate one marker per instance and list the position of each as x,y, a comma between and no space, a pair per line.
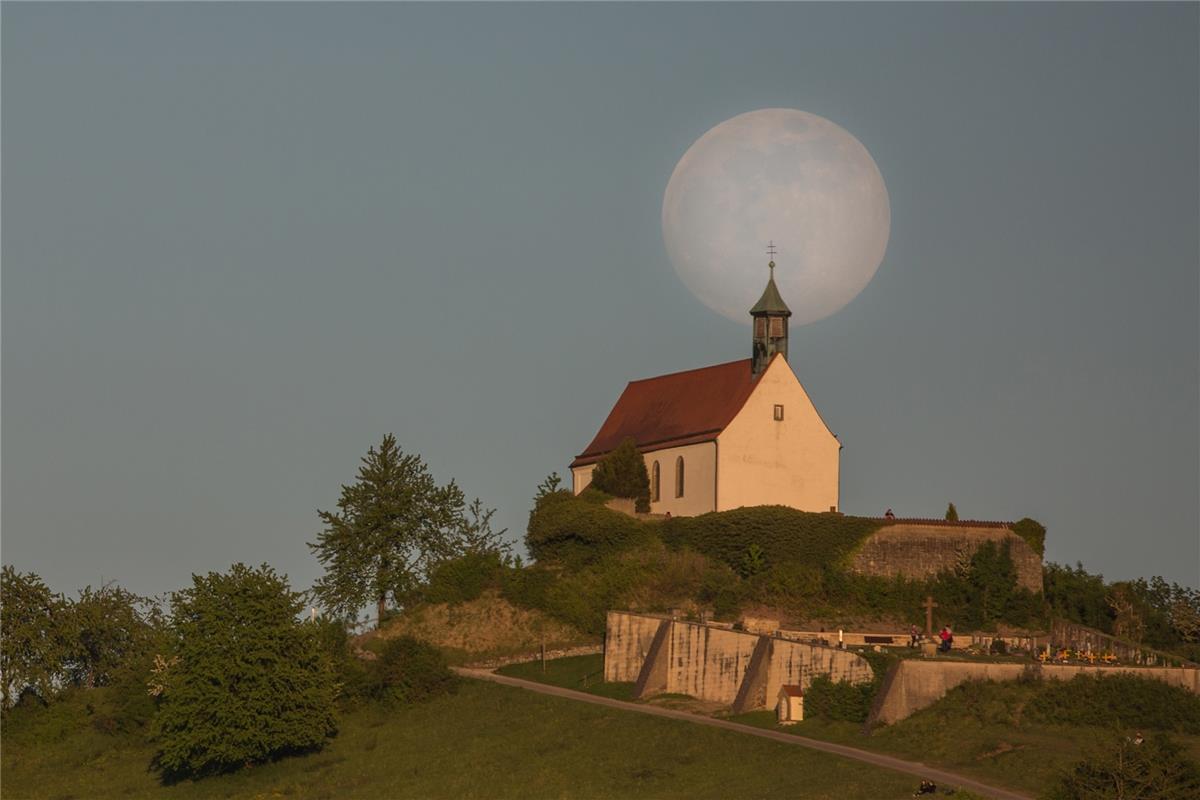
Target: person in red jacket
947,639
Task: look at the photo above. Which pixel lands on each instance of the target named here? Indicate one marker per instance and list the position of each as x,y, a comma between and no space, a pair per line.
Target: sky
240,243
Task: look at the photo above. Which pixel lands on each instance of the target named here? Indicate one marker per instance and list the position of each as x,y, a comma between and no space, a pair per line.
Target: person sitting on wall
947,640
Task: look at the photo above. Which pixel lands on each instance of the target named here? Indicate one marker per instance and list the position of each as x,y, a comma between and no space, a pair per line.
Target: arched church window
654,482
679,476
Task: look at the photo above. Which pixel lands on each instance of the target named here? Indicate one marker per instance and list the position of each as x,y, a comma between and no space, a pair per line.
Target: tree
245,681
106,627
475,534
391,526
36,642
622,473
952,513
1123,768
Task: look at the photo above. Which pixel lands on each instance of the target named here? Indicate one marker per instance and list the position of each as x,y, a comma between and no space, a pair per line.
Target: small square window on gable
778,412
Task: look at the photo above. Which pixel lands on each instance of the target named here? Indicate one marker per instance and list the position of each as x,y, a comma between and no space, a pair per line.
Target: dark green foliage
1152,612
566,529
409,671
36,643
458,580
1126,700
784,534
1119,768
754,561
392,525
845,701
952,513
350,673
1034,534
244,681
987,593
108,628
622,473
1077,596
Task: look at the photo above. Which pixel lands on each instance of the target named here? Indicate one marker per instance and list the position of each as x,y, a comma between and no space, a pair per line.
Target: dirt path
887,762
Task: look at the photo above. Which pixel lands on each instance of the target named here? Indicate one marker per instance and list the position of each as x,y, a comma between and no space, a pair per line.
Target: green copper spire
771,302
770,315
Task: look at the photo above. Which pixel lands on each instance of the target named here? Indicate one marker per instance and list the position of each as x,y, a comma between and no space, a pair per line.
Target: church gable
777,449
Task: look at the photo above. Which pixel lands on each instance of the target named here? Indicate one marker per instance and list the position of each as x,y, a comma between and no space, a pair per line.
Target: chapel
716,438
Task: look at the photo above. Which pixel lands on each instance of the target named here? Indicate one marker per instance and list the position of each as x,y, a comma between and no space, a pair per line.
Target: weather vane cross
771,249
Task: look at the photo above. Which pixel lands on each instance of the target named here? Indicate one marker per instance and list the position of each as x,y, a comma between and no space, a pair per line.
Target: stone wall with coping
712,662
913,685
917,550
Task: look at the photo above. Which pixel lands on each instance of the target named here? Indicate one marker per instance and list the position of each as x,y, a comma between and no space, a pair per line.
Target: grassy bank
487,741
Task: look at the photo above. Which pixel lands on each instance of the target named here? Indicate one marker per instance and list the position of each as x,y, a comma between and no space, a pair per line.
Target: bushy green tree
410,671
107,627
245,681
952,513
622,473
392,525
1121,768
36,641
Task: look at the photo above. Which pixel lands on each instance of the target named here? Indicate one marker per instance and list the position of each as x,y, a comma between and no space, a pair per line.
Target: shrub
566,529
1121,767
245,681
410,671
458,580
783,534
1126,700
826,699
622,473
1034,534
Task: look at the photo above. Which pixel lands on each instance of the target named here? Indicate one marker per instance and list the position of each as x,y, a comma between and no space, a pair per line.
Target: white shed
790,706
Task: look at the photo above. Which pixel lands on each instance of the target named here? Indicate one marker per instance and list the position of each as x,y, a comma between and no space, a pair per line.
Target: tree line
227,671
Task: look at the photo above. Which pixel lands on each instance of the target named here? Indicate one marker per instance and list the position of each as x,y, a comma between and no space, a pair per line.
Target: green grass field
974,734
487,741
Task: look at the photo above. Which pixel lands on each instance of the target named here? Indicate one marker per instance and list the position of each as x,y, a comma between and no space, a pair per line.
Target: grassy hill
486,741
485,627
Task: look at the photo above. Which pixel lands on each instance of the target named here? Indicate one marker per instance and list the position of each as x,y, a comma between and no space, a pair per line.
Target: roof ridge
686,371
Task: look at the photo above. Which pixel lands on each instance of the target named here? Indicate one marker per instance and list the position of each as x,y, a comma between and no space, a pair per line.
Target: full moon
784,176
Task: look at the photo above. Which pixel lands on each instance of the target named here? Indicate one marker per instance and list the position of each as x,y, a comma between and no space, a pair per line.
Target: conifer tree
622,473
952,513
391,526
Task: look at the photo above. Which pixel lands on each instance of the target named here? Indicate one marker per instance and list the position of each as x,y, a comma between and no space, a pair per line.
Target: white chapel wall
699,478
793,462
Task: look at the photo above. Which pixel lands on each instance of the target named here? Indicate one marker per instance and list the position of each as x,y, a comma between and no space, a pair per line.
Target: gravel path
940,776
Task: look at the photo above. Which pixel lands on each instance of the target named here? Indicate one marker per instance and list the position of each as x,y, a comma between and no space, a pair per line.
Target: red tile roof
673,410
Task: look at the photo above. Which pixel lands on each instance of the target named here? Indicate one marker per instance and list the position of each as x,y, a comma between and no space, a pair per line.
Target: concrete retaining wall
922,551
913,685
713,663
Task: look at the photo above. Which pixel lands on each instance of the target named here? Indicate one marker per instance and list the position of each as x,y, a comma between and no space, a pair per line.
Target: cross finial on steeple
771,255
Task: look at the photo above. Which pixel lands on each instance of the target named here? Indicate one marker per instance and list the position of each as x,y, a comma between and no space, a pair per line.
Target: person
946,638
889,515
914,637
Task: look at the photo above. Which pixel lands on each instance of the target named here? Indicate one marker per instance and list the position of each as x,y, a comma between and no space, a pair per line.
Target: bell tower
770,315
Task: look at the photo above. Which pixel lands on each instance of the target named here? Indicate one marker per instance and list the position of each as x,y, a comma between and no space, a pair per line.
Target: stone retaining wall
923,550
714,663
913,685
